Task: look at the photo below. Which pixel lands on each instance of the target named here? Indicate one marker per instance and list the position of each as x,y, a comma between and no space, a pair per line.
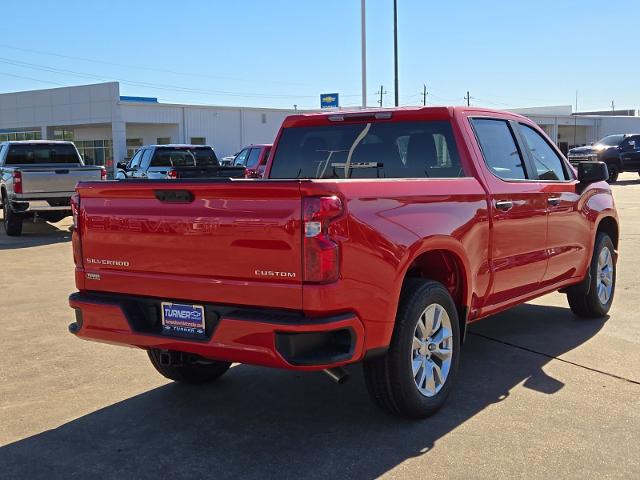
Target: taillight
172,174
75,235
321,252
17,181
103,174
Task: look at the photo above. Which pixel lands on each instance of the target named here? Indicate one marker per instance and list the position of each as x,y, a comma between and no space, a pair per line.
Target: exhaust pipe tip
337,374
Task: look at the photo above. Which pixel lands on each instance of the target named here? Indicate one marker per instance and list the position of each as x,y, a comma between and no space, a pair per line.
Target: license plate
182,319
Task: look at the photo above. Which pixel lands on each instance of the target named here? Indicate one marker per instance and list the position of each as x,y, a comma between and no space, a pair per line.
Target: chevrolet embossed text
106,261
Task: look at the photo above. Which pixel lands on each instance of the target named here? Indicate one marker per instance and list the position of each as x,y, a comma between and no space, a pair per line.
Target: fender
436,242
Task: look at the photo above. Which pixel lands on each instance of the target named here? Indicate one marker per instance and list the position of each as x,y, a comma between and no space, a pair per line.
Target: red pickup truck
375,237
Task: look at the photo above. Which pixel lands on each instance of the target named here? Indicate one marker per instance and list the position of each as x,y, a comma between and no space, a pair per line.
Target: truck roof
401,113
177,145
29,142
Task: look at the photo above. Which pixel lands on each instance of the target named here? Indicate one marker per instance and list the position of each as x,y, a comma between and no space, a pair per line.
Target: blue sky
282,52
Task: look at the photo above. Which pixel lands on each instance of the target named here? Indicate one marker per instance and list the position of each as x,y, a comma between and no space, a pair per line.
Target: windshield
42,153
184,157
368,150
610,140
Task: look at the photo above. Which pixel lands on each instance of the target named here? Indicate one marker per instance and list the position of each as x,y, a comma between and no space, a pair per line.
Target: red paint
242,244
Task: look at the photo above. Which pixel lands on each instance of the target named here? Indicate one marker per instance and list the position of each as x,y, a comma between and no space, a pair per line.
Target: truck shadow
262,423
35,234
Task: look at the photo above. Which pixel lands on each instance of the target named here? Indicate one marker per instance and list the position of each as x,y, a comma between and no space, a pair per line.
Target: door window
631,143
499,148
546,161
241,158
146,156
254,157
135,161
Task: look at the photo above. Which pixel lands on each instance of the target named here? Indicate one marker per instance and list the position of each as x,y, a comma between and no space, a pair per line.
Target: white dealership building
108,127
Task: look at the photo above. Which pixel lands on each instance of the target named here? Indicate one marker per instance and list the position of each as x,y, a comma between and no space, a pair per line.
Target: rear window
368,150
41,154
184,157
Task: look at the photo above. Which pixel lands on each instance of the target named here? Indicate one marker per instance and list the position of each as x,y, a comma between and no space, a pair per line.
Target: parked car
620,152
228,160
38,177
254,159
157,162
375,237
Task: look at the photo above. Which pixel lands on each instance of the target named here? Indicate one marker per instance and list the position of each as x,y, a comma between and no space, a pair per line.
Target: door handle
553,201
504,205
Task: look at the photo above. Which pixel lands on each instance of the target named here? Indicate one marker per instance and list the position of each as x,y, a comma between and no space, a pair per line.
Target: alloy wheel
605,275
432,350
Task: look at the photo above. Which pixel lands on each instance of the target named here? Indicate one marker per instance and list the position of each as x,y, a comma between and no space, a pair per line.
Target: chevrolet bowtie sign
329,100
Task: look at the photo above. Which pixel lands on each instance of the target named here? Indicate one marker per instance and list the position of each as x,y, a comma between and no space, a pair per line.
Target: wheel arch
609,225
444,260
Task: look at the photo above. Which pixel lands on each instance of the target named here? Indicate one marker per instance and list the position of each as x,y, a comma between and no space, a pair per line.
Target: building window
198,141
96,152
20,135
163,140
63,135
133,144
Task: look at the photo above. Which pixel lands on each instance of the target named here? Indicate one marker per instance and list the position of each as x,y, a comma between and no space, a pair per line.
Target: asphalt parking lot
541,394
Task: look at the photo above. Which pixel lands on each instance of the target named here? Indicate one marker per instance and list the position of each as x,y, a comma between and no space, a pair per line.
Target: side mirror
592,172
122,165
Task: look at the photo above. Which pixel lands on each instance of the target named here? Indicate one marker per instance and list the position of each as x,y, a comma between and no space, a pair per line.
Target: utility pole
381,93
468,99
424,95
613,106
395,50
363,28
575,123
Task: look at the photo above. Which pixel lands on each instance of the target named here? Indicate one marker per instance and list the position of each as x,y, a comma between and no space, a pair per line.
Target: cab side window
548,164
241,158
146,157
499,148
135,161
631,143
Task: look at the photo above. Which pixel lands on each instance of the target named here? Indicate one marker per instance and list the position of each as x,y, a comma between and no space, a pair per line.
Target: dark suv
620,152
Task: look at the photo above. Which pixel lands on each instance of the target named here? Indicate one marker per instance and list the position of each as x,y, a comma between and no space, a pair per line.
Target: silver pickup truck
38,178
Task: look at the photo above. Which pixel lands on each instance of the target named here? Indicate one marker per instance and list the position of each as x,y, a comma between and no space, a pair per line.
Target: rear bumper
50,203
271,338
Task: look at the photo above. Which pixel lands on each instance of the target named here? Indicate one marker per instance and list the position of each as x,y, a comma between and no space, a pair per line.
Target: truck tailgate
55,179
216,241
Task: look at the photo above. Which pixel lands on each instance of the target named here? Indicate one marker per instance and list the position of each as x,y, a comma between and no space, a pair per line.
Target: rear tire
602,282
12,221
614,171
414,377
191,369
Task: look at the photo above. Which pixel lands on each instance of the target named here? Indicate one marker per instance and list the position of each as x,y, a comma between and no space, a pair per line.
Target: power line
141,67
166,87
31,78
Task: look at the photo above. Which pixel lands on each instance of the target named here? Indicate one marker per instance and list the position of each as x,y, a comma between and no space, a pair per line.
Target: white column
119,138
43,133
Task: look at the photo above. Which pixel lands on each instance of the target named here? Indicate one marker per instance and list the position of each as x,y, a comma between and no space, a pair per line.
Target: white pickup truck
38,178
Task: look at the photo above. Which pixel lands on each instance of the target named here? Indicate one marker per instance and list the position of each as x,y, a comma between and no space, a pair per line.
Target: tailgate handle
62,171
174,196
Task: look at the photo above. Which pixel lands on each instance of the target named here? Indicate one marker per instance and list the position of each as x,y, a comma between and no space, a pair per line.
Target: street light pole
395,49
363,28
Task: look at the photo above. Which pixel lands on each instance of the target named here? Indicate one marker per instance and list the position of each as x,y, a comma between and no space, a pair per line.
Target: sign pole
364,51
